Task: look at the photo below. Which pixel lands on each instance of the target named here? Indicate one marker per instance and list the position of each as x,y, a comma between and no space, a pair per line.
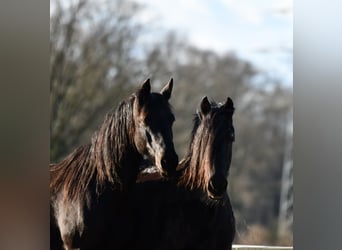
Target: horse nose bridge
169,157
158,143
166,150
167,138
169,154
167,145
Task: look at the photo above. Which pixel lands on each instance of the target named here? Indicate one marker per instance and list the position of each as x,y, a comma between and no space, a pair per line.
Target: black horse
194,212
90,187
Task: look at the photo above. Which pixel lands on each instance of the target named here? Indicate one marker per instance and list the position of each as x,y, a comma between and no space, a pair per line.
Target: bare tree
91,66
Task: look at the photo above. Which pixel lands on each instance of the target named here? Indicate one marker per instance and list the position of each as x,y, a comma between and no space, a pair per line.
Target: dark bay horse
194,212
89,188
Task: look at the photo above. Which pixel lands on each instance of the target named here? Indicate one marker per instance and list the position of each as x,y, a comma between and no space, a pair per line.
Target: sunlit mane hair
99,160
197,162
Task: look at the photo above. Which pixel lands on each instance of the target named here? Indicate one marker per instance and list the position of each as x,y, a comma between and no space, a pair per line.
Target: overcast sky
258,30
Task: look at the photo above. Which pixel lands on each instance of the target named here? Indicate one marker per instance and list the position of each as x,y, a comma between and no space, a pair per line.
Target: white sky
258,30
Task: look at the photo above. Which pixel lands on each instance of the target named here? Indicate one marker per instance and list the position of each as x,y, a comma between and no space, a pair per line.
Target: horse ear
205,106
229,105
167,89
144,91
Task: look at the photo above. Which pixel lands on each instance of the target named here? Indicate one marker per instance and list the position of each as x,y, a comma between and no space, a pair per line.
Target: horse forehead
219,120
157,98
215,105
158,102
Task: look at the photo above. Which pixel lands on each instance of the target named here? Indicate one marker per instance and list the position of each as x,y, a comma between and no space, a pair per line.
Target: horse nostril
169,164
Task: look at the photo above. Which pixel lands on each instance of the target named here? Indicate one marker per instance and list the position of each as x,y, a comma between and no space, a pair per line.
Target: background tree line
97,59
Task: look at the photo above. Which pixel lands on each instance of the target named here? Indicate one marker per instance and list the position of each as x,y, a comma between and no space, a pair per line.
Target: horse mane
98,160
194,167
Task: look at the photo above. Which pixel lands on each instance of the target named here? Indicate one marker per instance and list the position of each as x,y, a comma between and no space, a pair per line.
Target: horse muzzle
169,163
217,188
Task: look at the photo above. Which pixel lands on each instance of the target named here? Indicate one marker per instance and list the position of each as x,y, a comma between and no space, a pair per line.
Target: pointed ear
144,92
229,105
205,106
167,89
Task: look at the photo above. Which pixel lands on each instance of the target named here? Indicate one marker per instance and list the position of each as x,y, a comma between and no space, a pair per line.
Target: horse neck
116,156
127,168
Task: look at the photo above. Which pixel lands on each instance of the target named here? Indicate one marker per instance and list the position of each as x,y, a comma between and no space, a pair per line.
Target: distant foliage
91,66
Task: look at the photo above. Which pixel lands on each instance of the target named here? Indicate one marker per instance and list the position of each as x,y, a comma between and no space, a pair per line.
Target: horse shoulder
69,218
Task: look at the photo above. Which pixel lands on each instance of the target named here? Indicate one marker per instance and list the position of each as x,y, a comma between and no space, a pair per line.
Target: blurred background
101,51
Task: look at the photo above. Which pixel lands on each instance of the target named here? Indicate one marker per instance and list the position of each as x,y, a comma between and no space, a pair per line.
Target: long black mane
99,160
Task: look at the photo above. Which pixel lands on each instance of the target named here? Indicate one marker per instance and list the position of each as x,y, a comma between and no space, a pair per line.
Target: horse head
215,136
153,119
